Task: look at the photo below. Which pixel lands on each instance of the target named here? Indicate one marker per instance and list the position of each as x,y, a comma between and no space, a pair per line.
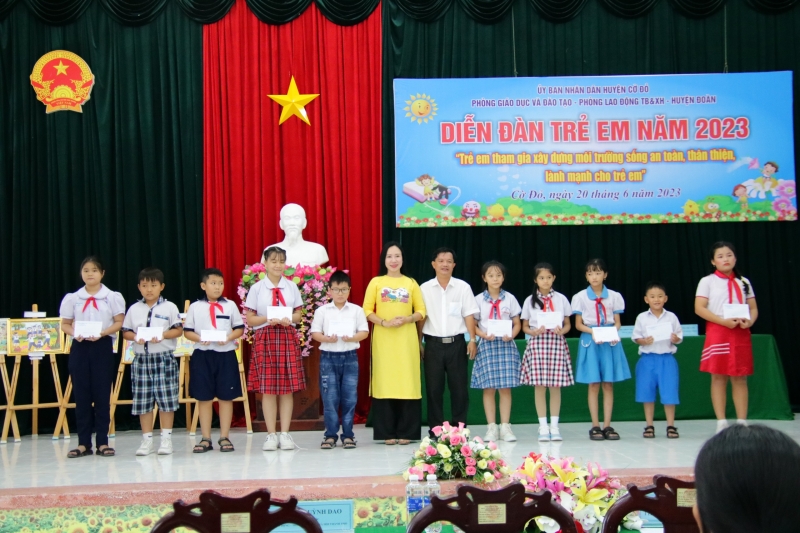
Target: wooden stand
243,398
7,389
305,415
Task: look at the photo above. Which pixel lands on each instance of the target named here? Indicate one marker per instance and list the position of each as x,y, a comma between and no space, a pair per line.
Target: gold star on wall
293,103
61,68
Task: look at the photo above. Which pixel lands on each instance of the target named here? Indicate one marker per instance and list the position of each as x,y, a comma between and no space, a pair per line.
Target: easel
11,385
243,398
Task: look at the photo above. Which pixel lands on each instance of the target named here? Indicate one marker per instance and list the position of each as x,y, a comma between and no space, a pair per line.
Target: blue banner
594,150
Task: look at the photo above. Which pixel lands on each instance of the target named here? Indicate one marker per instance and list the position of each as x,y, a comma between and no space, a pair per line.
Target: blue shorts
214,375
657,371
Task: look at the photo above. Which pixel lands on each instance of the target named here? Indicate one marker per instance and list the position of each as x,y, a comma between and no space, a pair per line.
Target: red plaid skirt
546,362
276,364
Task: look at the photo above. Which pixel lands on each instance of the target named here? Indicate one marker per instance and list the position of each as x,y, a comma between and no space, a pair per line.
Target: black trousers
448,361
91,366
393,418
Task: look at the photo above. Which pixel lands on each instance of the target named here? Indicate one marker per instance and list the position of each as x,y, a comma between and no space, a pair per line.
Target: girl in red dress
728,352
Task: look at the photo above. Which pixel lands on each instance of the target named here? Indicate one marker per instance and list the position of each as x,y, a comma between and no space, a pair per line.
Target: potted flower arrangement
453,454
313,284
585,491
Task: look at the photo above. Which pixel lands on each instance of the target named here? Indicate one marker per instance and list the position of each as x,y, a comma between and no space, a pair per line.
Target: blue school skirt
601,362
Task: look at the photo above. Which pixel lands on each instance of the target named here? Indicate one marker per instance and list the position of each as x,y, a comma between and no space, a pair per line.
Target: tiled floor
42,462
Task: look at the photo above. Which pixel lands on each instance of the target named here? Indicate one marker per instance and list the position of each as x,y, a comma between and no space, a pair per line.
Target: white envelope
660,332
279,312
607,334
341,328
87,328
148,333
550,320
736,311
213,335
499,328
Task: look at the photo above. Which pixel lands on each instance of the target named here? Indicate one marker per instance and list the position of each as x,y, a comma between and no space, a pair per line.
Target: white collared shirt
260,296
715,289
584,304
163,314
228,319
509,307
529,312
649,319
109,305
328,313
447,308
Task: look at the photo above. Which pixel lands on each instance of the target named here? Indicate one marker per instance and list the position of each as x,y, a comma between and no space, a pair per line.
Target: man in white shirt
451,306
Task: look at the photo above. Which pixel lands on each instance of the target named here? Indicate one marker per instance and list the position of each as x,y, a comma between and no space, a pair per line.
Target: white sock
554,421
543,421
722,423
166,433
741,421
148,436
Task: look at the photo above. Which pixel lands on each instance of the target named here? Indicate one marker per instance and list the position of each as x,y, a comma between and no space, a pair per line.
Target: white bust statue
298,251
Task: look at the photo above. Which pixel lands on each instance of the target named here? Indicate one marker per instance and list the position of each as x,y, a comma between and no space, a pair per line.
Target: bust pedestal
306,413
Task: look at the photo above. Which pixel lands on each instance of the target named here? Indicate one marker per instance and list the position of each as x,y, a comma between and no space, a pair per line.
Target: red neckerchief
547,301
598,307
92,301
211,311
732,285
495,309
277,297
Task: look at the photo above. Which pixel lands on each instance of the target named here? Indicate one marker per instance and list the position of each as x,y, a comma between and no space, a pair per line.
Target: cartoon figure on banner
740,193
766,183
3,335
711,208
425,188
691,208
471,209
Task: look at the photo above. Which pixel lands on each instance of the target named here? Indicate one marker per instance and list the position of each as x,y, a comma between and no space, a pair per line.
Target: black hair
746,479
382,270
773,163
339,276
151,274
596,264
94,260
725,244
654,285
443,250
536,269
207,273
489,264
274,250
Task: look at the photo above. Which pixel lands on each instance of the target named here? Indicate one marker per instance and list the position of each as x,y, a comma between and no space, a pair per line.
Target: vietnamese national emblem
62,81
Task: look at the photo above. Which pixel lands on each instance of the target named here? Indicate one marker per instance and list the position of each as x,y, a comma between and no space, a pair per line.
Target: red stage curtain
332,168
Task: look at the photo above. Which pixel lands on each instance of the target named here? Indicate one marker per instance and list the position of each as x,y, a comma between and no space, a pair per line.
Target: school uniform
546,361
91,363
726,351
214,368
599,362
497,362
338,367
276,366
657,367
154,372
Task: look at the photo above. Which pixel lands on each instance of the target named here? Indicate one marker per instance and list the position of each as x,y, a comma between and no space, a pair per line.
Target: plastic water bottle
415,495
432,488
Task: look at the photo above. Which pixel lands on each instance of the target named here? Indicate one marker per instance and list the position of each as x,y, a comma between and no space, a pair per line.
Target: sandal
650,432
203,446
672,432
349,444
390,442
404,442
108,451
596,433
72,454
610,434
328,444
225,444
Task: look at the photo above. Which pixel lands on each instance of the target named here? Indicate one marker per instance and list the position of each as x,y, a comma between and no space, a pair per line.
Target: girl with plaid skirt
497,361
276,364
546,363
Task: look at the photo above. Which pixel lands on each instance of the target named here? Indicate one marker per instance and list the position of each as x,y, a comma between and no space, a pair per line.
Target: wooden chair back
668,499
477,510
215,513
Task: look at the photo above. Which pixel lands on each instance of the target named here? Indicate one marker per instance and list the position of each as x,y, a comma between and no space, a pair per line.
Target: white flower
497,454
465,432
505,470
488,477
632,521
547,525
485,453
419,454
567,502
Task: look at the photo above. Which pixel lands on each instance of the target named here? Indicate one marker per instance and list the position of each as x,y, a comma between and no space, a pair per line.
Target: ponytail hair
534,296
725,244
